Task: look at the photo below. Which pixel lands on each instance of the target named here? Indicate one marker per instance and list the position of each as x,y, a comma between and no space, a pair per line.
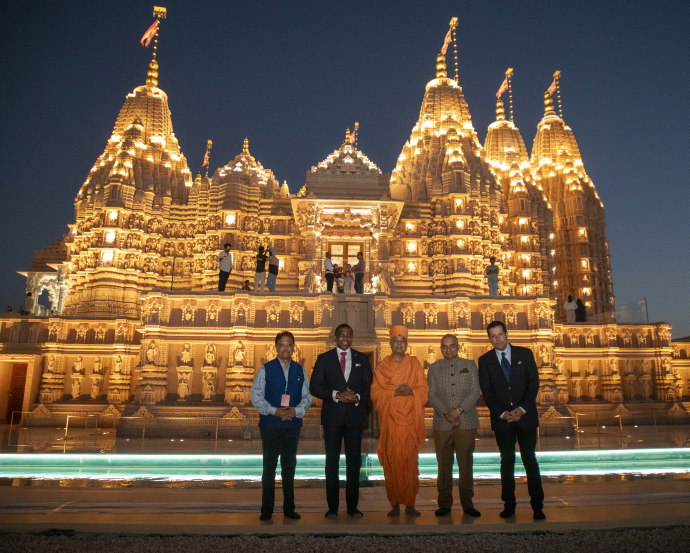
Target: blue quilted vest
275,388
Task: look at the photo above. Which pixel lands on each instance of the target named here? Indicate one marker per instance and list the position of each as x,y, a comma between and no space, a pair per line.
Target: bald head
449,346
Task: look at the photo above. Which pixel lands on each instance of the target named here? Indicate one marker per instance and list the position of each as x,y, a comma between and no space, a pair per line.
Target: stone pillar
52,380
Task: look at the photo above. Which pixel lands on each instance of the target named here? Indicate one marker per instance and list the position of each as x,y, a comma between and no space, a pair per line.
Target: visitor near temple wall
348,282
342,379
260,274
492,276
280,393
453,394
570,307
399,392
247,287
509,381
359,273
225,266
580,312
328,269
27,306
273,266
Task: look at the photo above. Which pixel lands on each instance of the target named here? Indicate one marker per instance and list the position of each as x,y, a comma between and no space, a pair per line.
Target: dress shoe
293,515
356,514
539,515
331,514
442,512
506,513
266,516
472,512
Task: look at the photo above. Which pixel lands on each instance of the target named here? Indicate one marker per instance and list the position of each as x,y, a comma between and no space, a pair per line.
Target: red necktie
342,361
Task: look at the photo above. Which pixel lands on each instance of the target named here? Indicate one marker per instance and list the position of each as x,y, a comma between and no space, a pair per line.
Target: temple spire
441,66
152,74
245,146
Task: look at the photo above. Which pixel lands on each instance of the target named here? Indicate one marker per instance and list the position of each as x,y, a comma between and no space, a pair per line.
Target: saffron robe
401,421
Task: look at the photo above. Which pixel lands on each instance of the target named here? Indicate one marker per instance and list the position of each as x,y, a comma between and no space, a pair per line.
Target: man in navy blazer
509,380
342,379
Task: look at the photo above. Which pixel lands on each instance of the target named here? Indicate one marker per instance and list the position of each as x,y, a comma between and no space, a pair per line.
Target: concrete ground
587,503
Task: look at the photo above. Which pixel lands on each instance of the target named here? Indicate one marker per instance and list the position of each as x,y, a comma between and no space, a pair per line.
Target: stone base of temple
185,372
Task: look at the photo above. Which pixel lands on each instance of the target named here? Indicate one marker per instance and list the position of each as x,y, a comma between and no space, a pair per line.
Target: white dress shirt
498,354
225,261
259,387
348,368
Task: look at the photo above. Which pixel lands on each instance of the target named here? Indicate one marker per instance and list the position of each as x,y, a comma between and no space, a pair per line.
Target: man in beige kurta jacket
453,394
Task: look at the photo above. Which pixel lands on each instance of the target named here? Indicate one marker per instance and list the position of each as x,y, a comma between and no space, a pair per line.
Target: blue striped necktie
505,365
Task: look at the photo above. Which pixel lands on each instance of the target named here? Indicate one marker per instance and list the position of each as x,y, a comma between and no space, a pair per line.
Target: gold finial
152,74
347,136
500,112
245,147
356,133
548,104
441,66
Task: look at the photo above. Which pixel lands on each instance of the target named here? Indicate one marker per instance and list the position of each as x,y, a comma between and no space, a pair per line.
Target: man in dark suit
509,381
342,379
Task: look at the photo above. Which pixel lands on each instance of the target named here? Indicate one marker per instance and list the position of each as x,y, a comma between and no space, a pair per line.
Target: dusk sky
292,76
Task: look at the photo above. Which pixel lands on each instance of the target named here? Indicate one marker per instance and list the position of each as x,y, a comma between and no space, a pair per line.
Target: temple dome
347,173
142,155
442,140
247,170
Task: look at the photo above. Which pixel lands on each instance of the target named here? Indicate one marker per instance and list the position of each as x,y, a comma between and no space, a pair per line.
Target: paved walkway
590,503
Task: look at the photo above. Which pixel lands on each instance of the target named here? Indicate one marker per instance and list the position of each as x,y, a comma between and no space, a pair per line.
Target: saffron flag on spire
352,137
552,88
446,42
150,33
503,88
205,163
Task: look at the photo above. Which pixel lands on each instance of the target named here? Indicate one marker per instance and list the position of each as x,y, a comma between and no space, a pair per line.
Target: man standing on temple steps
225,266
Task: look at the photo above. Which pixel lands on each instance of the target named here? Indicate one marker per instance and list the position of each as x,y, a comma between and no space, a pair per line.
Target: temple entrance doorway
344,253
15,398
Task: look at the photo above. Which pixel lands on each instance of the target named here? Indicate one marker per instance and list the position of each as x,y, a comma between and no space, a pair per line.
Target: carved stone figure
646,389
271,352
97,366
545,356
578,389
117,365
209,386
151,353
239,355
76,387
592,388
186,355
183,385
431,355
210,355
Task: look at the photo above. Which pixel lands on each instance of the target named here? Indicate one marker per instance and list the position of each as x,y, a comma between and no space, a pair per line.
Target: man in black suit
342,379
509,381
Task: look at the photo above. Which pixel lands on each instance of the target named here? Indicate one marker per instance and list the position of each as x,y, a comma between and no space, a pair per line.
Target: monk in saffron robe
399,393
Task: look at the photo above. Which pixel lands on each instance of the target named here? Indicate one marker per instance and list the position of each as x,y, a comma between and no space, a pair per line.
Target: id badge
285,400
